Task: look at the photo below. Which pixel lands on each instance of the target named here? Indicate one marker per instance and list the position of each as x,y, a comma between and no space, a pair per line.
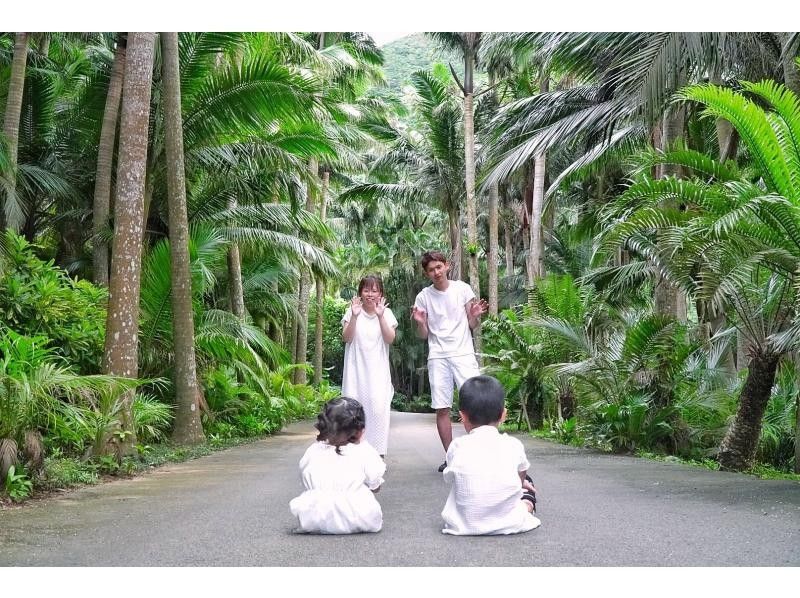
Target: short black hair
432,256
483,399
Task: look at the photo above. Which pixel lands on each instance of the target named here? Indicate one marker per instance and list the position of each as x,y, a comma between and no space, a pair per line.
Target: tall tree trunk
469,163
668,298
44,44
739,446
537,208
454,221
527,228
12,210
122,323
791,73
727,136
320,320
236,289
70,242
105,161
187,428
494,246
537,202
304,291
509,245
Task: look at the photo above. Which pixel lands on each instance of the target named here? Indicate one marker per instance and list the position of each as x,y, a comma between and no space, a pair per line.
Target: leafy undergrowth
62,473
760,470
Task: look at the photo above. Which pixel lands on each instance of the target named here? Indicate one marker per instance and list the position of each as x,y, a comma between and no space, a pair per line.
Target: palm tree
12,214
105,158
735,243
425,165
187,429
468,44
122,324
341,84
620,101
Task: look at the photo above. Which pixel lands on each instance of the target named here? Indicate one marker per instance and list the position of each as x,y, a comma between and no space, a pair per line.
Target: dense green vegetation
174,276
408,55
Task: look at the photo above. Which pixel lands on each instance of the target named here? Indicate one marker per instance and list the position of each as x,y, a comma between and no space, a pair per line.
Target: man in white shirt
487,470
446,313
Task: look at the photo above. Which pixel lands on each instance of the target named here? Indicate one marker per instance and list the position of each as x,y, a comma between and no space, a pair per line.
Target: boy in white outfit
491,492
446,313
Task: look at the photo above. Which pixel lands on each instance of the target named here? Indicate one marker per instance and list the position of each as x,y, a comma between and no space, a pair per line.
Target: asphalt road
231,508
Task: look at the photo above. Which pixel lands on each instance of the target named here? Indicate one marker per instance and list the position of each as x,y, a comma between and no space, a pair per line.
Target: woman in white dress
340,475
368,328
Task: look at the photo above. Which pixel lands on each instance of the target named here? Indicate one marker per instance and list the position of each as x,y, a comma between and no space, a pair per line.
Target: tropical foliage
630,200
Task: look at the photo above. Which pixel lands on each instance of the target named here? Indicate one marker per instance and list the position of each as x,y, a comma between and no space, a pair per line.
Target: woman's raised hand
381,306
355,305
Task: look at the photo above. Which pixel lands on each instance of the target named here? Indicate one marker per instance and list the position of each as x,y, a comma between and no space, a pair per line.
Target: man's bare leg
444,427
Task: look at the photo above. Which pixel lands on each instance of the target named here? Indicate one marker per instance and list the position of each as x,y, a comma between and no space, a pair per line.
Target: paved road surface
231,508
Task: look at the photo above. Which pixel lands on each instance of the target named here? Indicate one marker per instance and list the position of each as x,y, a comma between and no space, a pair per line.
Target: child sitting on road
487,470
341,473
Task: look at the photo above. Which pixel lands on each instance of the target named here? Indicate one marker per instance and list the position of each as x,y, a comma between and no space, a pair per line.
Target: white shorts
443,372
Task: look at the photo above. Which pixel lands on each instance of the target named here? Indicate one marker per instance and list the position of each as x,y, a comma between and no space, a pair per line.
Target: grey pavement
231,508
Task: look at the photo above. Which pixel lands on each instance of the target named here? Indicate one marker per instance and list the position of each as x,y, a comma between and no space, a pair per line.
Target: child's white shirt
485,497
338,498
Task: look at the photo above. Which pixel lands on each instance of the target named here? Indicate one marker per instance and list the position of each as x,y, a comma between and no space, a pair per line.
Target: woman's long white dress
366,376
338,498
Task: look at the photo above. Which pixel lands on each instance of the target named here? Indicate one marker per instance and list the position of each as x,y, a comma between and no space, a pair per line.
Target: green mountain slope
408,54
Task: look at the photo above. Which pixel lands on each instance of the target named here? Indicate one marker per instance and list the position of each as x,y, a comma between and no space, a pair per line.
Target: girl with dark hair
340,474
368,328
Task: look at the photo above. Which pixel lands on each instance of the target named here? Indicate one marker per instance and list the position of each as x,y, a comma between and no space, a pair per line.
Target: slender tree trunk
454,220
70,242
509,246
494,247
726,135
470,55
472,217
537,202
669,299
494,238
791,73
44,44
738,448
236,289
527,206
537,208
105,161
187,428
304,291
318,348
292,334
13,213
122,324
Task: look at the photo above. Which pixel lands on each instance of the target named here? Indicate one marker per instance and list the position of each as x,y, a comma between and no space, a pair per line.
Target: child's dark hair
340,421
371,282
482,398
432,256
